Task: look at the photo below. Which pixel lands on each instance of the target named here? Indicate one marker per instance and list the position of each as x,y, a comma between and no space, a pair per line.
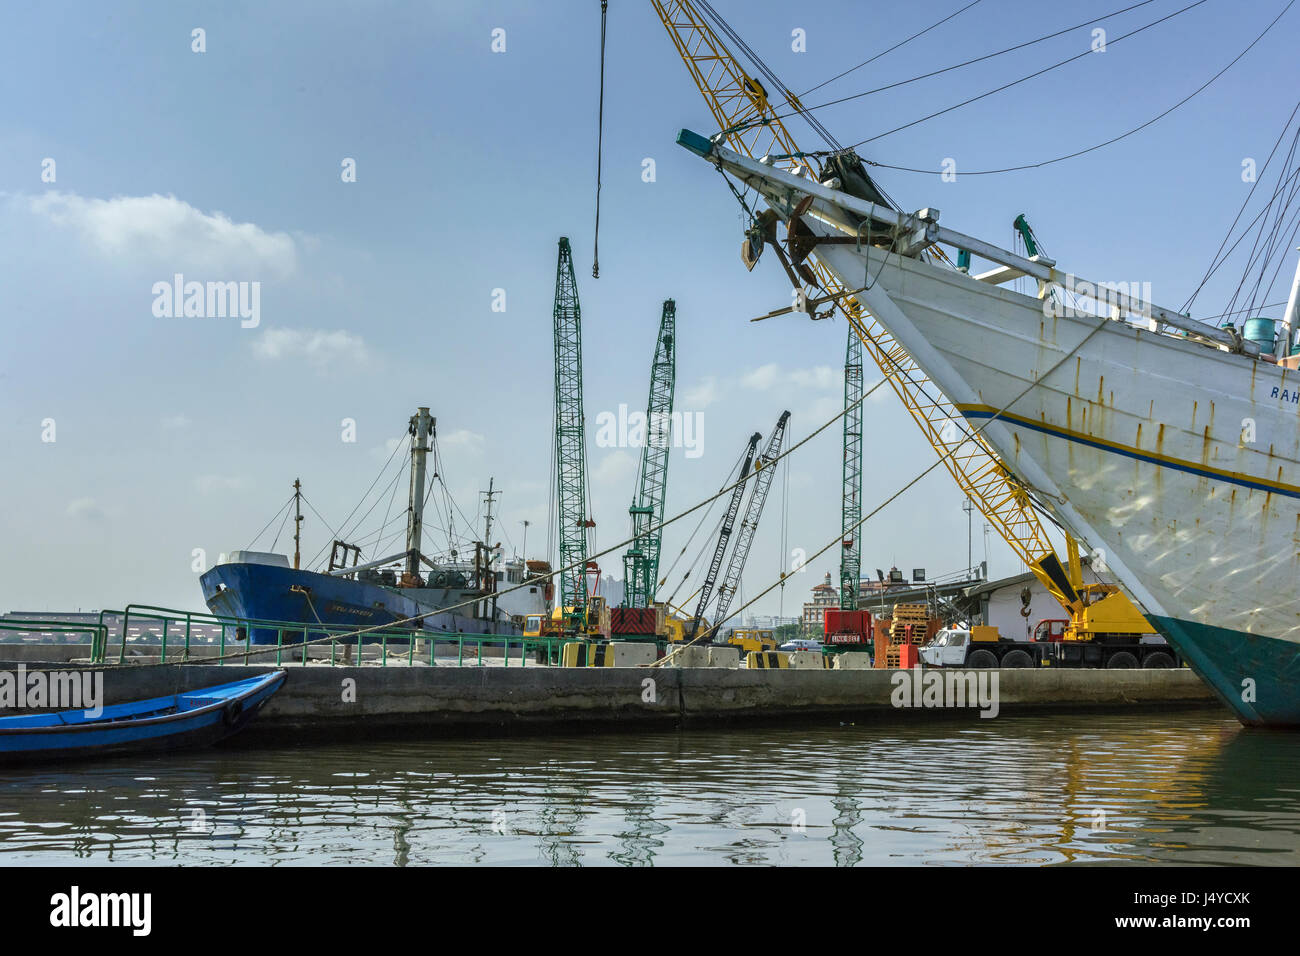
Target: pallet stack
910,625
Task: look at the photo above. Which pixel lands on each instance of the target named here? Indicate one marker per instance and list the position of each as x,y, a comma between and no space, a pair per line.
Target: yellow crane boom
746,115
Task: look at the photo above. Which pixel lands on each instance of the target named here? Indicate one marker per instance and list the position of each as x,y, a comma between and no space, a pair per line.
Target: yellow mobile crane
749,124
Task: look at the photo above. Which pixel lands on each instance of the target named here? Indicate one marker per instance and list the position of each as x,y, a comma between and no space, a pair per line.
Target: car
801,644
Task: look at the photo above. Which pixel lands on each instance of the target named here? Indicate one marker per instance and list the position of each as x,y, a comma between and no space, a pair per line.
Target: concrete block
724,656
853,661
808,661
691,656
630,654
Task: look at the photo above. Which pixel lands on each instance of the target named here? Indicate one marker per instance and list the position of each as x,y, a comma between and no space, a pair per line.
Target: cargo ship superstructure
1167,445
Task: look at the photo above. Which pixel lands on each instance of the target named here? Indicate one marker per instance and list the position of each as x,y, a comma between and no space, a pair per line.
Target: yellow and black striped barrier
586,654
768,659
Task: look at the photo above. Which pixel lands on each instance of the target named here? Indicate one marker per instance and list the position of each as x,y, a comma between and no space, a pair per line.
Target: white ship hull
1175,461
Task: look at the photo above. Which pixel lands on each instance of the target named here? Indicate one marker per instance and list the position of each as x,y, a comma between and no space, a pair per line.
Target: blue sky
181,433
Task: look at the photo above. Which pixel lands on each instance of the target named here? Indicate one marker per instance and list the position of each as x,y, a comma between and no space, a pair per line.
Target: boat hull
1171,460
264,592
196,719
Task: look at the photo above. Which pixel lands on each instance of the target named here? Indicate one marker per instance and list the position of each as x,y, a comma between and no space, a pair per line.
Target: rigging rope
1031,76
958,66
1214,262
893,48
1081,152
531,582
259,534
838,539
600,136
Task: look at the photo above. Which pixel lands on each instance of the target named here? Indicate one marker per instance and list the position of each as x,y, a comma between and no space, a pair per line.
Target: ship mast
1287,333
297,523
421,427
489,496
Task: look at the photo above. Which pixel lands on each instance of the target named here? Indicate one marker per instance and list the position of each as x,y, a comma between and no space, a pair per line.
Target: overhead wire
963,64
1032,76
1259,175
1081,152
896,46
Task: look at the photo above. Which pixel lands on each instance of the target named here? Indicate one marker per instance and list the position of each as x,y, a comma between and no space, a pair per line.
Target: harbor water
1175,787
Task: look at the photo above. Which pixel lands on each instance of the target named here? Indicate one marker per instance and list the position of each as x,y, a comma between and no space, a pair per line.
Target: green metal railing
176,633
98,632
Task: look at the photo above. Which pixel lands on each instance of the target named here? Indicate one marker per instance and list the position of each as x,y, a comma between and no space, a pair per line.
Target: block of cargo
983,632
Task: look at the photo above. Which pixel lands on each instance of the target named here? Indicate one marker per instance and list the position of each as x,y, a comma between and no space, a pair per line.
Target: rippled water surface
1180,788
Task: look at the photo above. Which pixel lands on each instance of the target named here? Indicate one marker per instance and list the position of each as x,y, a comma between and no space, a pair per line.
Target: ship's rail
196,636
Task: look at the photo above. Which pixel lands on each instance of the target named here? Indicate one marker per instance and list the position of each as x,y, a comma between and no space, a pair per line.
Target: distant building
814,612
768,622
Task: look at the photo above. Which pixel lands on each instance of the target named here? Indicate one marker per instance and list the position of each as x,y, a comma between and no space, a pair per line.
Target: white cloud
384,451
178,421
85,509
817,378
701,396
315,346
761,378
170,233
463,440
208,484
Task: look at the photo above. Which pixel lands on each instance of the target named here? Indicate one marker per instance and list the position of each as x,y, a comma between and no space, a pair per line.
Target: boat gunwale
136,722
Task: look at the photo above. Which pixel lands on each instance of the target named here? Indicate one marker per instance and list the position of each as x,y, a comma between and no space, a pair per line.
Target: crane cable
600,137
397,623
838,539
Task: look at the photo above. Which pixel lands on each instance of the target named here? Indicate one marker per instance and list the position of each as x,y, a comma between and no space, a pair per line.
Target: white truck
983,646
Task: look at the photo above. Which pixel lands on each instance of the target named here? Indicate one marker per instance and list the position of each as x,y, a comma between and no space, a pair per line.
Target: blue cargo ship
407,591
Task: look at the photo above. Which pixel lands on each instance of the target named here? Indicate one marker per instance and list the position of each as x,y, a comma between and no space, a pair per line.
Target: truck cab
948,649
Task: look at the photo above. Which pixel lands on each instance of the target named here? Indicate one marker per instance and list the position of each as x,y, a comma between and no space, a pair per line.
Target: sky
139,447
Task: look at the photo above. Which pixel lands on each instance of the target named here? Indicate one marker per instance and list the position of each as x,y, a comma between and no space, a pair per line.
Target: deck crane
851,498
724,536
749,123
641,561
570,448
765,469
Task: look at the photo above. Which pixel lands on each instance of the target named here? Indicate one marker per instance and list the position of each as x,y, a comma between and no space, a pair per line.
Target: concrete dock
361,702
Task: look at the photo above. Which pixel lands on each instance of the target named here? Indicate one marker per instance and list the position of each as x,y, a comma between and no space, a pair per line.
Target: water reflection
1186,788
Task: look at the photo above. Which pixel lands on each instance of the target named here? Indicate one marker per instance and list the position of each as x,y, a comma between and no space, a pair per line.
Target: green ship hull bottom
1257,677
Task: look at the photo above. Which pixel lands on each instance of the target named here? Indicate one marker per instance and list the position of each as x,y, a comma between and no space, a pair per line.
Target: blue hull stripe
1127,451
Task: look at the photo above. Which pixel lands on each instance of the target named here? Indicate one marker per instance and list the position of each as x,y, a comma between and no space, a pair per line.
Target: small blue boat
196,718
